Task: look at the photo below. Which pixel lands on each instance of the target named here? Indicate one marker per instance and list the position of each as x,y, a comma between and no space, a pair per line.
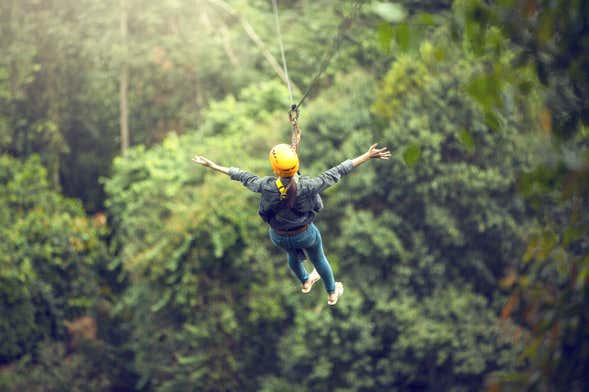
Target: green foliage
48,258
447,341
17,310
480,207
61,63
93,367
200,287
441,195
549,40
406,77
411,154
390,12
452,217
549,286
453,336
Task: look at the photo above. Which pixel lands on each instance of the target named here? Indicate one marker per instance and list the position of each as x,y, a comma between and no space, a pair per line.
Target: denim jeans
310,241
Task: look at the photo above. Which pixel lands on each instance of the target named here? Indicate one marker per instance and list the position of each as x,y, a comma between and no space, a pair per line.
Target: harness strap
283,188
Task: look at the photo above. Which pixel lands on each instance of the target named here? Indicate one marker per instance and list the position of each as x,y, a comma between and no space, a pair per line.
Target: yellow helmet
284,160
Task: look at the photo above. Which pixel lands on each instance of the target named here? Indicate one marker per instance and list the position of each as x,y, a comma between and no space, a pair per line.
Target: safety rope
344,25
277,20
293,113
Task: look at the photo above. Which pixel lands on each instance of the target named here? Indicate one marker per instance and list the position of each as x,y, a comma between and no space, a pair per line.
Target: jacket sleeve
249,180
331,176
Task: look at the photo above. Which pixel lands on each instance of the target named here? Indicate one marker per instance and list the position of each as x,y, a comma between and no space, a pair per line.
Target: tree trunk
124,81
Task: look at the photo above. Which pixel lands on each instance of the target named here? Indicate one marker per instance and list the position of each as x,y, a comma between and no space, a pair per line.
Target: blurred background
124,267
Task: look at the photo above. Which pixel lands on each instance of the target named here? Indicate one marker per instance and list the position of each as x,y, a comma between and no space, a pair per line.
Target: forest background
465,258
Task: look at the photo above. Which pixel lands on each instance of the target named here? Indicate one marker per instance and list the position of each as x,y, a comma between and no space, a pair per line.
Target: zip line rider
289,204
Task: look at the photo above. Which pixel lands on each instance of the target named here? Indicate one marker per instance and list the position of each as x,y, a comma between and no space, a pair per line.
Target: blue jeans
310,241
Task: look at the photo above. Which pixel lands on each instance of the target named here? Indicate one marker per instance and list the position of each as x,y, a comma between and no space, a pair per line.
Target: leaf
466,139
192,360
425,19
485,90
403,36
572,234
411,155
532,249
385,35
492,120
583,276
547,243
391,12
162,302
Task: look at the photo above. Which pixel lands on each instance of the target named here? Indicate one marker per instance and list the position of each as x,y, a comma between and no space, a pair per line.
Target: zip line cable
277,20
293,113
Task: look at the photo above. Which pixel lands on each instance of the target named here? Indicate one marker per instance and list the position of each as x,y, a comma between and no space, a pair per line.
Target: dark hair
291,193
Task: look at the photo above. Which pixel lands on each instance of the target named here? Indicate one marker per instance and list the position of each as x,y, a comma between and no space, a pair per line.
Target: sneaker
333,297
308,285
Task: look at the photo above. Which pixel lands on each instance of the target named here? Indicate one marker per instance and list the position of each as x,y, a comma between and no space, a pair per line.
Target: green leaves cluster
550,44
205,281
462,254
199,289
49,258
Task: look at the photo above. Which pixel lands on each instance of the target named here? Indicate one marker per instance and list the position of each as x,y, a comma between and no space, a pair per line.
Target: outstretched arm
333,175
373,152
249,180
210,164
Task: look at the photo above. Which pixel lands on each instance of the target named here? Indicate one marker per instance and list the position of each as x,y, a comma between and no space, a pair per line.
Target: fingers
200,160
381,153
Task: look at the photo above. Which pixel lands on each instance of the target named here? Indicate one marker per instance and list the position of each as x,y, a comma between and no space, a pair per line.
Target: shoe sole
339,290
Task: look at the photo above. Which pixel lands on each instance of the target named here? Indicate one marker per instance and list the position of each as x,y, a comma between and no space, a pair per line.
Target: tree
124,80
49,256
549,284
202,288
447,341
408,236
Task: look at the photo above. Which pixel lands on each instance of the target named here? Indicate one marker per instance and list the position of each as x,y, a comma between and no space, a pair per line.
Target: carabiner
293,114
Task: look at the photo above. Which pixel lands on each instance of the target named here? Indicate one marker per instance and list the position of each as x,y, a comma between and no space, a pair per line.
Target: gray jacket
275,211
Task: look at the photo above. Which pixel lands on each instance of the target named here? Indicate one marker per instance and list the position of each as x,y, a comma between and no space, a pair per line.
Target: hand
380,153
203,161
208,163
373,152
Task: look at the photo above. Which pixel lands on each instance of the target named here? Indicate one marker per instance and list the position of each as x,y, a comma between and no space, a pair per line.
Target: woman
289,204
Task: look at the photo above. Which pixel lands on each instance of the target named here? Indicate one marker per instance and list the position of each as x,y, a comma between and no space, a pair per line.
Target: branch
254,37
224,36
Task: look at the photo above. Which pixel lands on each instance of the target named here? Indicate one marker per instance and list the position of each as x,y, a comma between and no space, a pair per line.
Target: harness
283,188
